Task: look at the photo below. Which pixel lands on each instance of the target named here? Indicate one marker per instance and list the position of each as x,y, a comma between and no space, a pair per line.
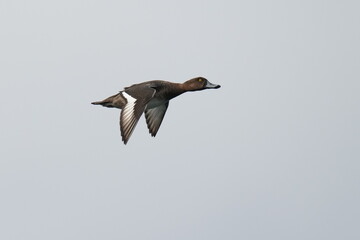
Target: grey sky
273,154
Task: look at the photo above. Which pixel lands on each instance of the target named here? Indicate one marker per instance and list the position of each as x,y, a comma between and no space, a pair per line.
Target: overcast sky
273,154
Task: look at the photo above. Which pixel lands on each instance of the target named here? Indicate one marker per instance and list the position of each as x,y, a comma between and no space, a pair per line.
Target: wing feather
154,117
133,110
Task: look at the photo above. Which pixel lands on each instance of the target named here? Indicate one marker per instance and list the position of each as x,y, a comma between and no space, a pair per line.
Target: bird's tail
115,101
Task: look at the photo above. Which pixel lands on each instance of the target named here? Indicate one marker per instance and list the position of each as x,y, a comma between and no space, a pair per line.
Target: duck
152,98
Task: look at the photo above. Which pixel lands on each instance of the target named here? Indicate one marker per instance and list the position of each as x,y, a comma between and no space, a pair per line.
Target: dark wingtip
125,141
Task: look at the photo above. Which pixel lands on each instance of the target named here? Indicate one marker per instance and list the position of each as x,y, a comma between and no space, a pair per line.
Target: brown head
199,83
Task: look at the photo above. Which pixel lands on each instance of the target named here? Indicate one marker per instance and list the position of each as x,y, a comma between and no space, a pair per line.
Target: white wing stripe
129,120
129,107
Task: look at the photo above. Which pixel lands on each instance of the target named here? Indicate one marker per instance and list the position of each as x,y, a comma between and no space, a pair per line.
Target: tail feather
97,103
103,103
115,101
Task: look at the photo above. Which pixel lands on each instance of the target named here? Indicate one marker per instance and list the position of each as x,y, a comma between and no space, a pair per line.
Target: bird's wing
133,109
154,117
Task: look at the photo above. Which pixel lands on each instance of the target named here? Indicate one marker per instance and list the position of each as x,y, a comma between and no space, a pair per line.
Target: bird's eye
200,79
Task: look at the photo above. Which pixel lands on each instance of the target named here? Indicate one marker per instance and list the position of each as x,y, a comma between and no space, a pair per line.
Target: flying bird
151,97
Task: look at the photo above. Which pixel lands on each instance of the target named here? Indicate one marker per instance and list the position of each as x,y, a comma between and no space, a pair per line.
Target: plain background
273,154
